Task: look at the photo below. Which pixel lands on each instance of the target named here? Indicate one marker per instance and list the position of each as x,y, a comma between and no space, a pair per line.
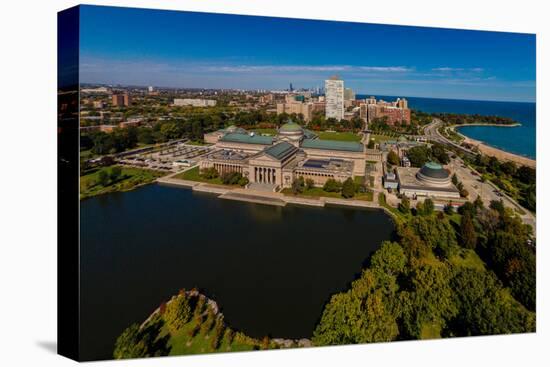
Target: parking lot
171,158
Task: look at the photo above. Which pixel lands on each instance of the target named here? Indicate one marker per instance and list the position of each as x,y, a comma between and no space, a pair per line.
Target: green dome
290,126
434,170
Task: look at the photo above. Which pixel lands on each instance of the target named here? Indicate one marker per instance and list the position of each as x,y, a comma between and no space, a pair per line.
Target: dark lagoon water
520,140
271,269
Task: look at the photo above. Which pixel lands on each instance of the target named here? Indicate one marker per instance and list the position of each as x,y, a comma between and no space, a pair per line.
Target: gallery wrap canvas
231,183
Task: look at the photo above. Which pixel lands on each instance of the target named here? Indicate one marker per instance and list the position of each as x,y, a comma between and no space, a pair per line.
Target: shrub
331,185
348,188
209,173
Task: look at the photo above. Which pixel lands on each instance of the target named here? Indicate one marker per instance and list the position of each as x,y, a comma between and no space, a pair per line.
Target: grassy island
189,323
104,180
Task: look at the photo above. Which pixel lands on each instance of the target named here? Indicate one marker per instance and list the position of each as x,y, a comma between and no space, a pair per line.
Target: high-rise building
291,89
151,89
334,93
402,103
349,95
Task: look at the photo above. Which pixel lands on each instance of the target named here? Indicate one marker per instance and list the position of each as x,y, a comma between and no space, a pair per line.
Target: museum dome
291,132
434,174
290,126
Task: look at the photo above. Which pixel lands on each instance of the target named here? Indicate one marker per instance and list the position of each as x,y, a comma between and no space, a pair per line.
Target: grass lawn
381,138
129,178
181,343
317,192
333,135
193,175
265,131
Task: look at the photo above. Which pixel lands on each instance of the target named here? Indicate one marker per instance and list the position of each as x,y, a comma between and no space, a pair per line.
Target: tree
497,205
428,299
468,234
103,178
348,188
309,184
363,314
298,185
449,209
418,155
115,174
331,185
130,344
439,153
478,203
389,259
209,173
483,308
178,312
437,233
428,207
454,179
393,158
405,205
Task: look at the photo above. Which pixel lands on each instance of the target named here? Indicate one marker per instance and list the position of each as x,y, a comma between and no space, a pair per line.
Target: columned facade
265,175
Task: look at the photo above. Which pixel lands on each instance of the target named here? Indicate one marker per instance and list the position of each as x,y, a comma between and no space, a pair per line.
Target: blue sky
194,50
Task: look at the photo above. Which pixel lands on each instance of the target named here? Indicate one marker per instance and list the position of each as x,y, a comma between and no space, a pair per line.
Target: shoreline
270,198
496,152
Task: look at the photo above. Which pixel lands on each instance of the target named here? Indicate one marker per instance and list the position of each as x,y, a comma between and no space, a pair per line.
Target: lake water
271,269
520,140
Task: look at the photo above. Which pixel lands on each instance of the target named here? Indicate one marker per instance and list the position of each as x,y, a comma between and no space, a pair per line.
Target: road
488,192
471,179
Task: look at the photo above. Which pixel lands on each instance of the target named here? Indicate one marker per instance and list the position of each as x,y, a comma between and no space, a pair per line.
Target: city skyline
144,47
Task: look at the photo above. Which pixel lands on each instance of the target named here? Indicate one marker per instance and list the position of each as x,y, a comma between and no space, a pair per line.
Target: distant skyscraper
349,95
334,93
151,89
291,89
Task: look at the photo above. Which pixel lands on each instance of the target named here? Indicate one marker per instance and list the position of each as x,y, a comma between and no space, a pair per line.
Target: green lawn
193,174
129,178
317,192
377,138
181,341
333,135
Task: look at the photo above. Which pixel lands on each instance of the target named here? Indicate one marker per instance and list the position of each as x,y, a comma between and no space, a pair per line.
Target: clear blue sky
182,49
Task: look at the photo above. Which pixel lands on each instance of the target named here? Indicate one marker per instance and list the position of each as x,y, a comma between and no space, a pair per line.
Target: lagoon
271,269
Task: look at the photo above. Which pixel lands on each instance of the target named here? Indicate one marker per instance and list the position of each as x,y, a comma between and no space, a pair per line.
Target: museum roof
347,146
308,134
280,150
247,139
234,129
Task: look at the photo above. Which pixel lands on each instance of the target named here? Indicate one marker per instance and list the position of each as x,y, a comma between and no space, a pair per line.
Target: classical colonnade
225,168
265,175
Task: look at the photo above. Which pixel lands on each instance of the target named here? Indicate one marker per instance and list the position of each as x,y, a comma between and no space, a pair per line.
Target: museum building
432,180
277,160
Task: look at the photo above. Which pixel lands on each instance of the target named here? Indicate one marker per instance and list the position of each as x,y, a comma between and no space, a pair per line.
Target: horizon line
275,89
